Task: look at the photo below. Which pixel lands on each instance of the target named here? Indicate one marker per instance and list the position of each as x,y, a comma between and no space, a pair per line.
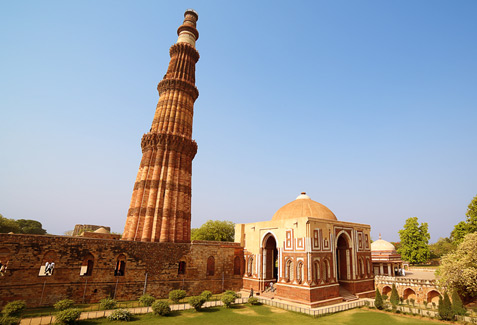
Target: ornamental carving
169,142
187,87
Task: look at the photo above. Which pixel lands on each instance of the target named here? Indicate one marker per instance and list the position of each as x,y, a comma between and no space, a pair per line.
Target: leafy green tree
457,305
214,230
31,227
414,241
469,225
445,308
442,247
394,296
458,270
378,300
8,225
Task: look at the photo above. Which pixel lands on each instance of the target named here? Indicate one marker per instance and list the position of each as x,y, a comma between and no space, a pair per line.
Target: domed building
386,260
306,255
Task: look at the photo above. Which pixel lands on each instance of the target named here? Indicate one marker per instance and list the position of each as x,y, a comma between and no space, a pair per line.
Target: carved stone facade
160,209
307,254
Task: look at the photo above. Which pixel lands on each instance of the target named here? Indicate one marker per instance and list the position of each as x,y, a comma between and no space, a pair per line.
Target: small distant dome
102,230
382,245
303,206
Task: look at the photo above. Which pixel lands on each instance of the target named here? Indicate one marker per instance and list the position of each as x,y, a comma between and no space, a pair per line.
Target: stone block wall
153,266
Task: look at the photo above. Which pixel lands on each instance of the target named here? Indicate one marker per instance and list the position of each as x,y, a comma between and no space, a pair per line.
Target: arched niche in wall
87,265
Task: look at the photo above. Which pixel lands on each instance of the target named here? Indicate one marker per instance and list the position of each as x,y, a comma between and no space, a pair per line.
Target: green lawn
244,314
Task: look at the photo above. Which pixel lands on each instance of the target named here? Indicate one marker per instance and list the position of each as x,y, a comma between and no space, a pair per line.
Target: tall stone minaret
160,208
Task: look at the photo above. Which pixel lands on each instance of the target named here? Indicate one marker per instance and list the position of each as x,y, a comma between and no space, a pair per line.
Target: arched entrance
343,258
387,291
433,296
409,294
269,260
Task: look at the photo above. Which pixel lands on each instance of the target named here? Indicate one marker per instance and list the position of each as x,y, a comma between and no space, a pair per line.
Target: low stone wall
149,267
409,288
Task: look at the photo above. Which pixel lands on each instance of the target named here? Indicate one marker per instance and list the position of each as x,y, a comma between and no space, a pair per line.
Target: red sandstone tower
160,208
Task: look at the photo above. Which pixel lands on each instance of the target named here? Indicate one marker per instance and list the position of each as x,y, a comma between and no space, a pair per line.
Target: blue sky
368,106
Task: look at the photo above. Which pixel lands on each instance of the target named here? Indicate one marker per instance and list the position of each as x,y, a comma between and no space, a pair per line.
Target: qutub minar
308,255
160,209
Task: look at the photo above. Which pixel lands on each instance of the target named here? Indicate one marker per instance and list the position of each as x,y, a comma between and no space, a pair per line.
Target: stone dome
102,230
382,245
303,206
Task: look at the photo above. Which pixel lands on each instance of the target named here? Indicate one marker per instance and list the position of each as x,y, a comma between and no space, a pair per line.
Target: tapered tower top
187,31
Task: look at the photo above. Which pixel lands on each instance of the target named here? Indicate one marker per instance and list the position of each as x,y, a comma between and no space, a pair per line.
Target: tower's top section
187,31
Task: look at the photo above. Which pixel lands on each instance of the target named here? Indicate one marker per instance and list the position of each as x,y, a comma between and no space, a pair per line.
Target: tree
457,305
214,230
442,247
414,241
378,300
458,269
394,296
445,308
31,227
21,226
8,225
469,225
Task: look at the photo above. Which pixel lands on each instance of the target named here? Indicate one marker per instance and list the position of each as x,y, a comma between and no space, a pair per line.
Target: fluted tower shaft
160,209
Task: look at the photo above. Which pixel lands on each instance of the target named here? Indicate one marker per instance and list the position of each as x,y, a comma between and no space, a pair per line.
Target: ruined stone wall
158,262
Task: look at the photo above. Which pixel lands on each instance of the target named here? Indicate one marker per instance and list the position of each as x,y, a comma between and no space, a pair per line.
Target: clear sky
368,106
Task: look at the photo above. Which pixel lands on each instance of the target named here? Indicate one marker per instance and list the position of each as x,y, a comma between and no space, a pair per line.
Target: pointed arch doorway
344,255
269,261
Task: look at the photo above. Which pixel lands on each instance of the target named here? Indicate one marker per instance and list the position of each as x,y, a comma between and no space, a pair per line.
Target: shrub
253,301
425,303
232,293
14,308
412,301
197,301
378,300
9,320
177,295
161,308
206,294
401,300
64,304
146,300
445,308
394,296
107,303
385,297
68,316
228,300
121,315
433,305
457,305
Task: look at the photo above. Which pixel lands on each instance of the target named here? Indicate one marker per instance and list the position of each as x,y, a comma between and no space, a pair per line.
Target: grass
244,314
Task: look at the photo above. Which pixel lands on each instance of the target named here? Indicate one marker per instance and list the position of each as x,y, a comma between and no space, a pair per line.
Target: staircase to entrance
347,296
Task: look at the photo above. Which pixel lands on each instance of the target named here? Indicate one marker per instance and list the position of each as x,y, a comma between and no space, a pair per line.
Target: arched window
211,266
361,262
4,260
250,266
289,271
48,264
369,268
316,269
237,265
182,267
120,265
299,272
326,271
87,265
